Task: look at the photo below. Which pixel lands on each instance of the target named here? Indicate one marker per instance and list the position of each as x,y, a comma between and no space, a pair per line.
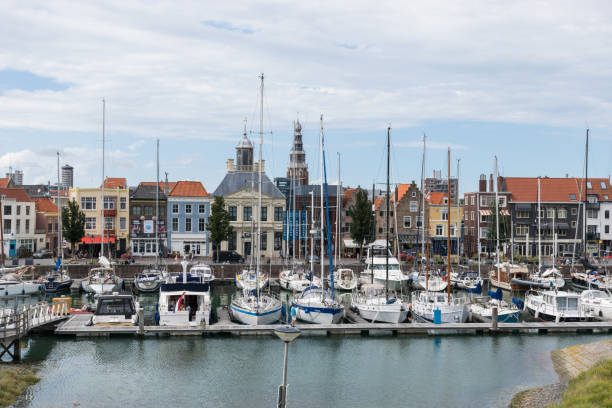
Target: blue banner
297,221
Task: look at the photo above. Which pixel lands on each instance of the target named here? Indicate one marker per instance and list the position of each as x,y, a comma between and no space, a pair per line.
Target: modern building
67,176
113,225
239,188
438,184
147,213
16,176
47,222
437,203
188,209
19,221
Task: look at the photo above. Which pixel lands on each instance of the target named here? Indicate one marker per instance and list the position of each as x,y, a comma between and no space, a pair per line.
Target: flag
58,264
176,257
180,301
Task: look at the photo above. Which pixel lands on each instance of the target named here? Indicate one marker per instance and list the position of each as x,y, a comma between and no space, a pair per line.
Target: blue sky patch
225,25
27,81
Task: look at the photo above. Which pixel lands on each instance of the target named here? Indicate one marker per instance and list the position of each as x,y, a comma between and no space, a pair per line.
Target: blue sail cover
477,289
58,264
497,294
519,303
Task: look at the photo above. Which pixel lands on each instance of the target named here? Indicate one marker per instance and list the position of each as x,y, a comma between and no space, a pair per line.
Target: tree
362,220
218,225
73,223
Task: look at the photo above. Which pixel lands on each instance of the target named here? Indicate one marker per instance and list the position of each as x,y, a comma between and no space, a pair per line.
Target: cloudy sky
521,80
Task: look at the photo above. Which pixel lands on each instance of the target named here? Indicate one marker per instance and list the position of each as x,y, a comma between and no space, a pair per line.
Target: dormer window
573,197
445,200
589,186
603,185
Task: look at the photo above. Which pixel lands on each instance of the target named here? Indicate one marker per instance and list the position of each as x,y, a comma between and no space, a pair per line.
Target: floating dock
77,326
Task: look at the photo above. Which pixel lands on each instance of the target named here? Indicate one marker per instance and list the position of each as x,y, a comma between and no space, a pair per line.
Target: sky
519,80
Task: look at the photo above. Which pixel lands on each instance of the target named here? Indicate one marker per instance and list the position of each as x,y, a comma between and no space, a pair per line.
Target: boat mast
448,239
387,215
259,169
539,230
102,206
458,229
59,213
338,188
293,186
252,254
373,234
478,226
423,197
585,199
321,213
312,233
497,224
157,207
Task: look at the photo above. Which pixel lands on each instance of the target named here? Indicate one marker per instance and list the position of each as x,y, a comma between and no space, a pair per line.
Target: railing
18,322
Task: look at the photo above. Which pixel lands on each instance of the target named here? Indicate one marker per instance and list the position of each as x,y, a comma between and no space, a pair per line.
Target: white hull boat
248,310
435,283
373,305
597,303
248,280
556,306
13,288
345,279
425,304
115,310
315,305
297,281
376,263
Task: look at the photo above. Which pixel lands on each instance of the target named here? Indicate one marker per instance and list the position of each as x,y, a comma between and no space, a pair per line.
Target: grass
592,388
13,381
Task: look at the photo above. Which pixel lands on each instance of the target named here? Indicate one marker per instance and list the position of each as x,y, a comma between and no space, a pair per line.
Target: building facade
438,184
437,203
146,215
188,209
19,222
297,169
47,222
67,176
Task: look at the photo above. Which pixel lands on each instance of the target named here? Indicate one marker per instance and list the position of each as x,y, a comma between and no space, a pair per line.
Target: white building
19,221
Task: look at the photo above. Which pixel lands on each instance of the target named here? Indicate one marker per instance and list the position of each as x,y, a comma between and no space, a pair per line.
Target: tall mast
458,230
373,233
321,218
448,239
586,182
312,231
102,204
423,197
387,215
157,207
259,192
497,224
338,212
293,186
539,231
59,212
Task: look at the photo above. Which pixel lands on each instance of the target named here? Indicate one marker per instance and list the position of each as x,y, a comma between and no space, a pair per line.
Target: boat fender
600,313
409,306
23,291
157,318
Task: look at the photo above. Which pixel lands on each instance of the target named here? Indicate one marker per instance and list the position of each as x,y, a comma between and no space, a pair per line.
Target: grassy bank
13,381
592,388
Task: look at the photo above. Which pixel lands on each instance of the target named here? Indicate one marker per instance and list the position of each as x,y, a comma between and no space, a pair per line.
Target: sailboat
103,278
315,304
506,312
57,279
253,307
432,306
374,302
150,279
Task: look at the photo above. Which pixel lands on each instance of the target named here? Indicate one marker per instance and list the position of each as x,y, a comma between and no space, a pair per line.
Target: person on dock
293,316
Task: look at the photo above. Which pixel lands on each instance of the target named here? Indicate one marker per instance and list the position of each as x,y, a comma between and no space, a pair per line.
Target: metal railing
19,321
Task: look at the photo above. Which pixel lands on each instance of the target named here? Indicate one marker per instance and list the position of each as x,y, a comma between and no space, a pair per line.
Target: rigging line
382,159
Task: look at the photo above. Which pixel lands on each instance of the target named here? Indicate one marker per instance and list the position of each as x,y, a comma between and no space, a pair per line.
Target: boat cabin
115,309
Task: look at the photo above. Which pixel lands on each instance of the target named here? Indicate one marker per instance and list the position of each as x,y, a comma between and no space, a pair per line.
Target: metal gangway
16,323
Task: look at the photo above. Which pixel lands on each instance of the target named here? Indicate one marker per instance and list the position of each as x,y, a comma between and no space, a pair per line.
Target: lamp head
287,333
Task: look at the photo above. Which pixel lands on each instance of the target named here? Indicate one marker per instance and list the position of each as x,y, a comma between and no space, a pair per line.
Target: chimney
491,183
482,184
229,167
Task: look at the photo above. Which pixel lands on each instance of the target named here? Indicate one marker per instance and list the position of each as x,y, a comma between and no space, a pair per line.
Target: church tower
297,167
244,154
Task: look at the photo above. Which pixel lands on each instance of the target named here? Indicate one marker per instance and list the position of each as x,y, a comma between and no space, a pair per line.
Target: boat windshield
382,267
115,306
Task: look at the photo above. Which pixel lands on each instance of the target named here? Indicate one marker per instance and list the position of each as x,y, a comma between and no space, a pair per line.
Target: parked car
43,253
406,256
230,256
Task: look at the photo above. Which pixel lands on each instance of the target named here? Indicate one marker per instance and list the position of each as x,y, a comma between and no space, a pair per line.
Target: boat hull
54,286
449,314
245,316
317,314
147,286
26,288
99,288
383,313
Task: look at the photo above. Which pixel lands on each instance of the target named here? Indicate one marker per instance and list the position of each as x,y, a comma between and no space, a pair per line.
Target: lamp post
286,334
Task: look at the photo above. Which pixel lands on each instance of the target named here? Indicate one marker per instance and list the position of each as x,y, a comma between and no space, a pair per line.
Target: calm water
323,371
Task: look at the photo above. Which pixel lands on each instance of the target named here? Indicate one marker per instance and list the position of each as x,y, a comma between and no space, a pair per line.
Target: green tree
504,226
218,225
362,221
73,223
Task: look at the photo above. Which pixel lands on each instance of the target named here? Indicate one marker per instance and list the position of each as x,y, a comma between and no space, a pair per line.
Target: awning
485,212
349,243
96,240
504,212
563,226
523,206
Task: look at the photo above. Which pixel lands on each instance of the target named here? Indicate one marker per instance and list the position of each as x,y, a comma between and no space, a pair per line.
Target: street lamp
286,334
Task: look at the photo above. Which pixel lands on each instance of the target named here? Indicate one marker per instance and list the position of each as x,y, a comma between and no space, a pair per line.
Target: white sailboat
315,304
374,302
256,308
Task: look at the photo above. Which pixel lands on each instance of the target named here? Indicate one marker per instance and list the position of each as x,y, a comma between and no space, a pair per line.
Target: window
592,199
264,213
521,229
109,203
562,232
407,221
452,230
202,209
175,225
589,186
574,211
414,194
278,213
473,200
174,208
603,185
484,232
444,215
18,226
419,220
50,227
562,213
264,241
380,230
605,196
382,214
522,214
541,213
247,213
109,223
231,245
232,212
414,206
439,230
122,203
187,224
607,229
90,223
88,203
573,197
18,208
187,208
278,241
27,207
136,210
550,213
607,214
201,225
27,226
591,213
473,215
148,211
7,210
484,218
573,224
122,223
7,226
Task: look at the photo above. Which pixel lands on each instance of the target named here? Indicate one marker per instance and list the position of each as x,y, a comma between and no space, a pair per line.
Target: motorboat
597,303
345,279
56,281
12,284
115,310
426,305
316,305
373,305
249,280
465,279
481,308
184,302
204,271
376,264
431,281
102,279
556,306
149,280
296,280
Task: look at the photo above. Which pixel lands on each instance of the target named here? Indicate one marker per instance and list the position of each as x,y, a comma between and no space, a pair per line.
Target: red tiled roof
115,182
400,191
162,184
44,204
4,182
436,198
348,194
525,189
19,194
188,189
378,202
